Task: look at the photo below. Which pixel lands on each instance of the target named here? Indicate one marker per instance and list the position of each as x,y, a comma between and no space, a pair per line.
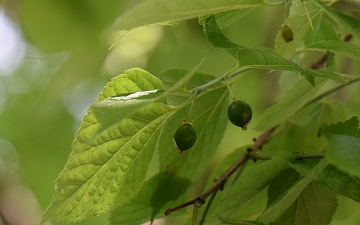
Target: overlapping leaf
313,201
279,206
250,183
326,38
108,170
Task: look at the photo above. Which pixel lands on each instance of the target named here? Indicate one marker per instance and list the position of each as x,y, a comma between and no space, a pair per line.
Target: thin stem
207,207
232,73
196,211
308,16
192,105
285,11
231,93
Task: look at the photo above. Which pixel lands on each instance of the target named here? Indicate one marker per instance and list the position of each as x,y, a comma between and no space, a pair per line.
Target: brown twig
321,62
259,142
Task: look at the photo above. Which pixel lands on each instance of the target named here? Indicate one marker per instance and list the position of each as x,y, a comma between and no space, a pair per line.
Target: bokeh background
55,59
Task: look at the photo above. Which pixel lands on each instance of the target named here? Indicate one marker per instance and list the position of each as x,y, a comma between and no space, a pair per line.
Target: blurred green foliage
67,62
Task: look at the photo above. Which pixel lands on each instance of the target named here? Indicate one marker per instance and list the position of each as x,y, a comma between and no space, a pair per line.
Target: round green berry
239,113
185,137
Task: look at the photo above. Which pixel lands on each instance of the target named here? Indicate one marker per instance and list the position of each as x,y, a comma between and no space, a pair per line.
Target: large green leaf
107,171
333,179
278,207
313,201
300,25
159,11
249,184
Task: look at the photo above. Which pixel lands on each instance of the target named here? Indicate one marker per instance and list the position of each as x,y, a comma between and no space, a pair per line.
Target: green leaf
153,199
249,184
278,207
348,22
327,38
349,127
344,153
333,179
209,117
107,171
215,36
227,18
158,11
300,26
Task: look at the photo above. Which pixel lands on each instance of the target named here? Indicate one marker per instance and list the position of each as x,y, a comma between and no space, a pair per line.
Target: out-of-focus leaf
348,22
227,18
326,38
153,12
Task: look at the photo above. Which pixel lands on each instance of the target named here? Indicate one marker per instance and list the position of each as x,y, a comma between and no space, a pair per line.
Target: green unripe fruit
185,137
239,113
286,33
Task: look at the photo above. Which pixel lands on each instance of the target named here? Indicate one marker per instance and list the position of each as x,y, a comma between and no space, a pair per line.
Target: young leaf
278,207
154,12
250,183
104,172
333,179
